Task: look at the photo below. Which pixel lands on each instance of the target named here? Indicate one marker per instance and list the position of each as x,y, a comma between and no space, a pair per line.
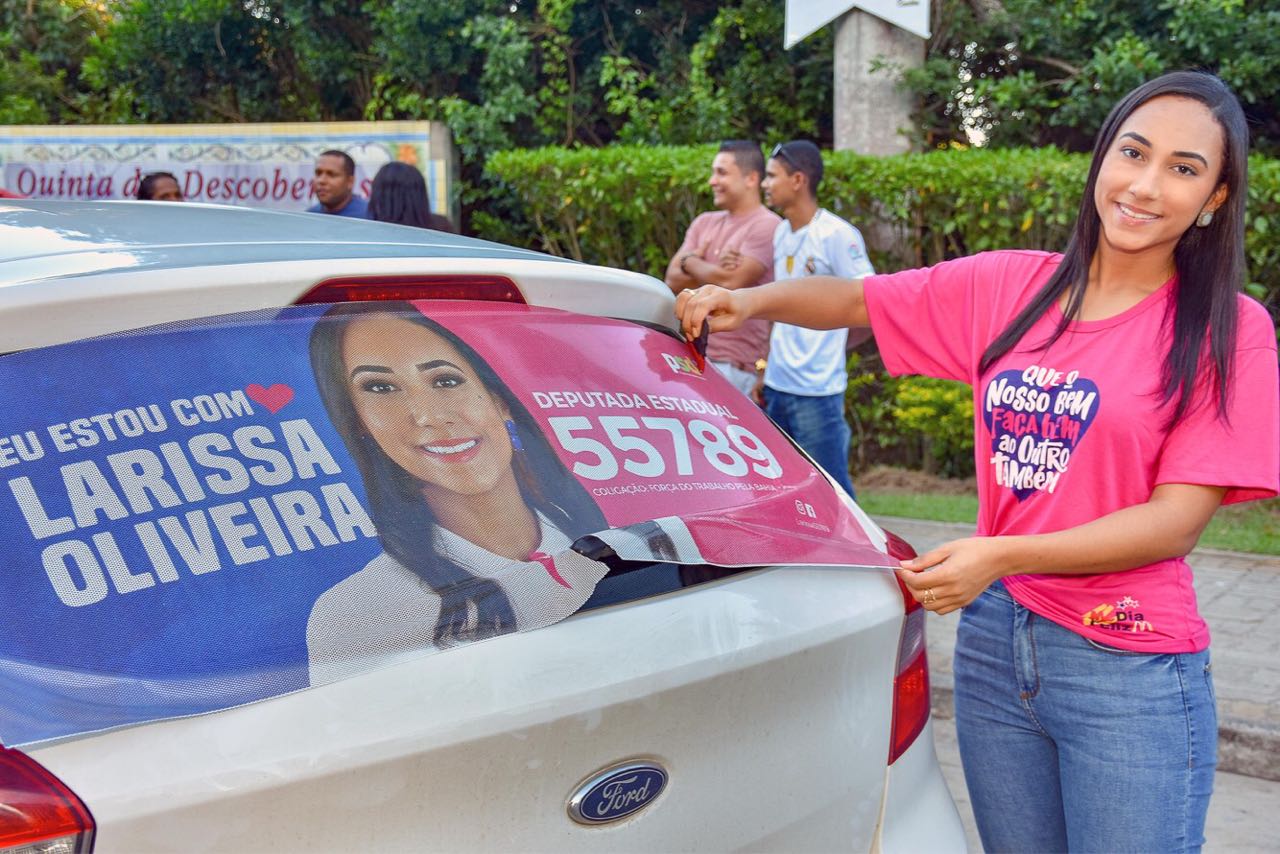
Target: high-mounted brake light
911,683
38,814
371,288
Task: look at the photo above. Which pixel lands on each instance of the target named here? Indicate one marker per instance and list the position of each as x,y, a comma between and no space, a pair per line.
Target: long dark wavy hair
404,521
1210,261
399,194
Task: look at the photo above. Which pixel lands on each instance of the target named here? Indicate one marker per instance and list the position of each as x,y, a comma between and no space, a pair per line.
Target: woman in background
159,187
399,195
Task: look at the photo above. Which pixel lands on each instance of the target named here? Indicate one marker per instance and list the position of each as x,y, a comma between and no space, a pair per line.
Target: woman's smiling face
425,406
1160,172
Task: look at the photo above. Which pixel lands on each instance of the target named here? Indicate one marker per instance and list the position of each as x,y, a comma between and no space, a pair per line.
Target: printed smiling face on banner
1037,418
240,507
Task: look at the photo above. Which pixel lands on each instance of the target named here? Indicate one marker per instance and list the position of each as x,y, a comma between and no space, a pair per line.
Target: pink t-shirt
752,236
1072,433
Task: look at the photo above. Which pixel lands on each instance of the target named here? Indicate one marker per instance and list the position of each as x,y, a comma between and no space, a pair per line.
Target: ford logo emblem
617,792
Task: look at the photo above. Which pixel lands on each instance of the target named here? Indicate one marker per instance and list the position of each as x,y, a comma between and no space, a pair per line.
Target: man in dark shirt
334,185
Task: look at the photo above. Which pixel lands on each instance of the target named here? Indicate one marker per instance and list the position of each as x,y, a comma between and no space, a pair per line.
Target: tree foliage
568,72
236,60
502,73
526,73
46,60
1040,72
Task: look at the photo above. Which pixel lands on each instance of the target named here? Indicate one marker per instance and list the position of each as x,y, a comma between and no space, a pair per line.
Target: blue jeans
1069,745
817,424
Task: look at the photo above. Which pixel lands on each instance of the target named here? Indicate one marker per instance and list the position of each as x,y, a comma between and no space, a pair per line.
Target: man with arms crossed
334,185
806,378
732,247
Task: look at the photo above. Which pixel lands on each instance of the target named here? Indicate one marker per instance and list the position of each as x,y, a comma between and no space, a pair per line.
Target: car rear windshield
218,511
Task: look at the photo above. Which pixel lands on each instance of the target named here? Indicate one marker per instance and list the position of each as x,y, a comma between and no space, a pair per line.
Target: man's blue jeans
817,424
1069,745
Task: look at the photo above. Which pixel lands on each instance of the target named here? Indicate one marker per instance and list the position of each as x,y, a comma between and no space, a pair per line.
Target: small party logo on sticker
682,365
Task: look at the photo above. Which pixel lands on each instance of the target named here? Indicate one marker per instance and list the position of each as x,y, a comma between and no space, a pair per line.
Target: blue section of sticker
618,794
173,503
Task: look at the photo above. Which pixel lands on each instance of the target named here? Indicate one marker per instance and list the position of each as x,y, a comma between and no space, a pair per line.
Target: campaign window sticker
207,514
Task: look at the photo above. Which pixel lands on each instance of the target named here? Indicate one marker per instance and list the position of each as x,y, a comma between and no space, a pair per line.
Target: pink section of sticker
649,435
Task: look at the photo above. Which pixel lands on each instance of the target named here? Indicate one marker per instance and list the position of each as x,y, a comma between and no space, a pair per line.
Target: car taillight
365,288
911,699
38,814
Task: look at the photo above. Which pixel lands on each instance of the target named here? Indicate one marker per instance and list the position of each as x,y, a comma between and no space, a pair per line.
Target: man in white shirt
805,380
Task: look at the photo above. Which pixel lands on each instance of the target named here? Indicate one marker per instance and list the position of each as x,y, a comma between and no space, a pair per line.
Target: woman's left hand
952,575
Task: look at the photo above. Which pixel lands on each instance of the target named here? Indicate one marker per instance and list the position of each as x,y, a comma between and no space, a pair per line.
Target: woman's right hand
721,309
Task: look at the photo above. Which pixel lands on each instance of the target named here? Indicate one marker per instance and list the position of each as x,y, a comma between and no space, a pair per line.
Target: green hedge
628,206
621,206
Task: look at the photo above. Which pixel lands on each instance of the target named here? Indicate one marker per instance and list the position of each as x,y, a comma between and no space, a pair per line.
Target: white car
715,693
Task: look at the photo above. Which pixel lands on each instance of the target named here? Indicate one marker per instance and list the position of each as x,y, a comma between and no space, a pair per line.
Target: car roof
71,270
169,235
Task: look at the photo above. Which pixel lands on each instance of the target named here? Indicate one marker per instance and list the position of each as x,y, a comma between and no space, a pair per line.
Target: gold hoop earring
1204,219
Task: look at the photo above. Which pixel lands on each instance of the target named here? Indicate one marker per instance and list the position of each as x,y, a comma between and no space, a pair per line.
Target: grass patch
1250,527
920,505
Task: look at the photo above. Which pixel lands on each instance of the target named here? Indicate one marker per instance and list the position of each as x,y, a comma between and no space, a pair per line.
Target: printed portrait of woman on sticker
469,499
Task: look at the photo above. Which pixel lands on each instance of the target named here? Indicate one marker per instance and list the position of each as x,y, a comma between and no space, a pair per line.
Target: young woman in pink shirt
1123,390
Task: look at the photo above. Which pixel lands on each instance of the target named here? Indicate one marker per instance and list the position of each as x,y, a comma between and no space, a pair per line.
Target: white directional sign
805,17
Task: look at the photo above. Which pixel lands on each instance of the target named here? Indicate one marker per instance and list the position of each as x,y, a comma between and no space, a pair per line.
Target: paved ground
1240,599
